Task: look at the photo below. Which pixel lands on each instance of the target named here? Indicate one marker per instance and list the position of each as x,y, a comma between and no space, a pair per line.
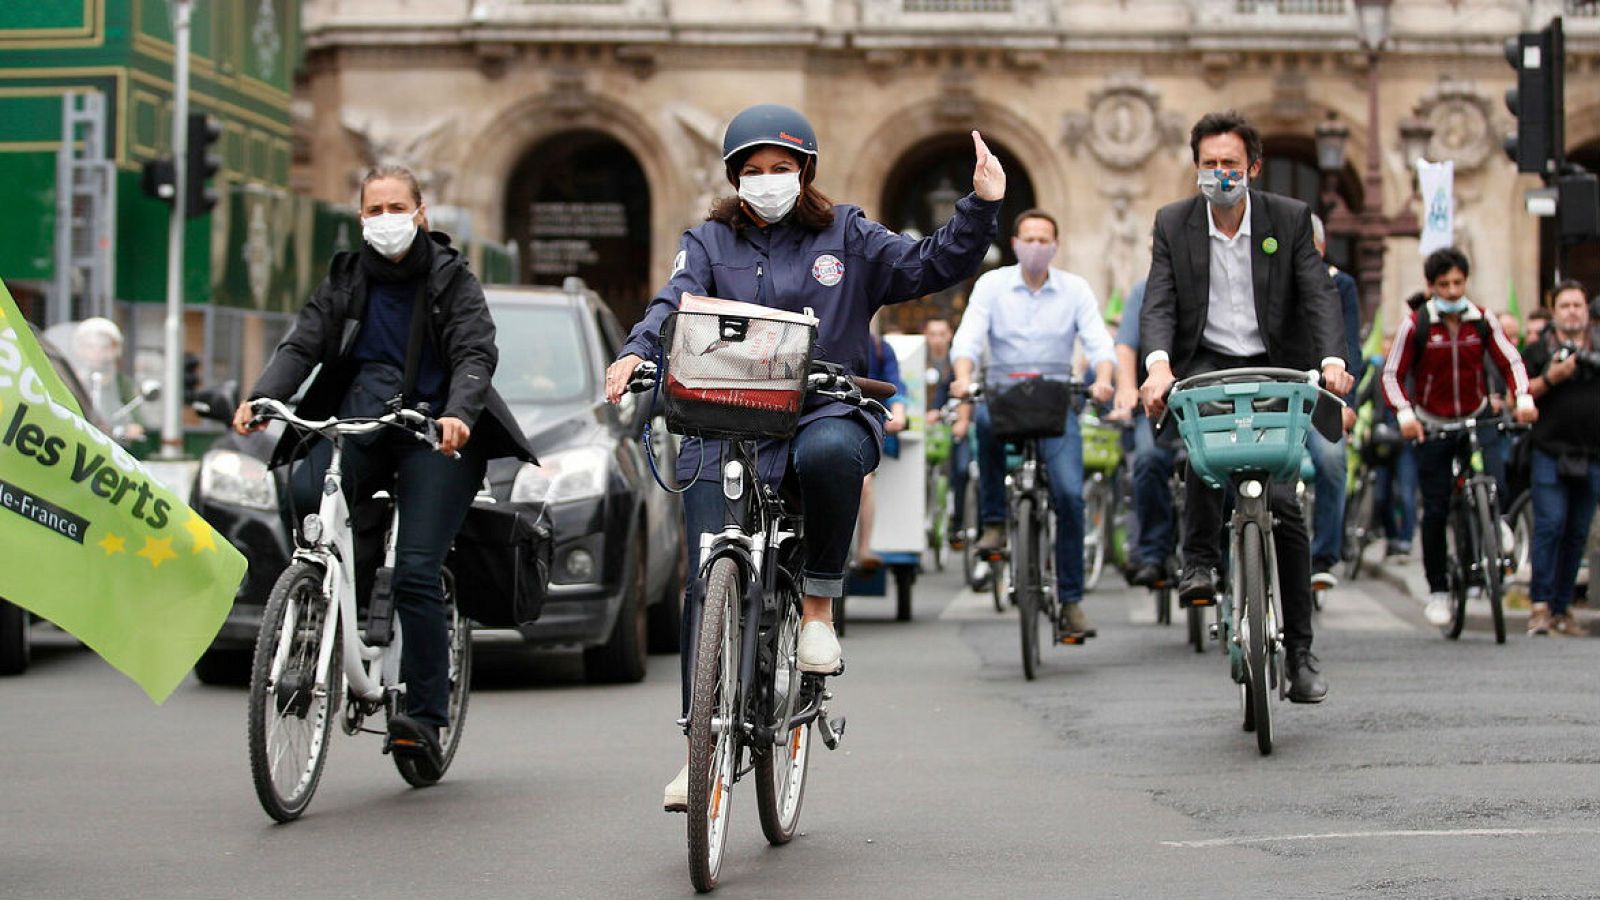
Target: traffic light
158,180
191,377
1537,101
202,162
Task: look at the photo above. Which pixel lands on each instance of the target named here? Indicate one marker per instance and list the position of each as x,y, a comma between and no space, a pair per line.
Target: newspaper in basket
736,370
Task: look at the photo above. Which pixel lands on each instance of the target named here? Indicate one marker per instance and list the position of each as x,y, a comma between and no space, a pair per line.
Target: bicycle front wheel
290,715
1491,558
1253,588
417,772
1461,556
1358,526
1096,531
711,725
781,769
1025,585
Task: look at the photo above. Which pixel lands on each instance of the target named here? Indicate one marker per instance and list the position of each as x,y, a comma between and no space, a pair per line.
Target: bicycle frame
368,670
752,545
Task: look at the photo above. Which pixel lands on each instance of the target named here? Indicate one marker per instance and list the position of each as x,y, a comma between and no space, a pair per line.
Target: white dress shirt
1231,325
1021,326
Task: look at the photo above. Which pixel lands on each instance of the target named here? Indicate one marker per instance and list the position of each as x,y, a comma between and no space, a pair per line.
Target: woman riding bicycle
358,326
781,243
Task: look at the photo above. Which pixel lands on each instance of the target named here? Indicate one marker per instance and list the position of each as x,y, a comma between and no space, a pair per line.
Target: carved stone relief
417,151
700,142
1125,124
1126,239
1463,125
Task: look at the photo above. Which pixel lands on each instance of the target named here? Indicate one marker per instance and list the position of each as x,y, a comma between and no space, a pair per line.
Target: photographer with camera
1564,368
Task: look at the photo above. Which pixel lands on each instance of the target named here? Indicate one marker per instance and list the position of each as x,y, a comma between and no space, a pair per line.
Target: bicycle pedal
831,731
1078,638
1197,602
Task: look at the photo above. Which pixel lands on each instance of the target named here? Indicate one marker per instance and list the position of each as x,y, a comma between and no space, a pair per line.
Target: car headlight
562,477
227,476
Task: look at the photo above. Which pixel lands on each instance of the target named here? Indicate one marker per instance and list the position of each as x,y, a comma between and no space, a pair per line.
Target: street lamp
1331,136
1372,227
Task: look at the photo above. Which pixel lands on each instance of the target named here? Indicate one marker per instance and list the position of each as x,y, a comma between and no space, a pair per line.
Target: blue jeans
1562,512
1153,464
828,459
1063,459
960,460
1434,475
1327,529
1396,496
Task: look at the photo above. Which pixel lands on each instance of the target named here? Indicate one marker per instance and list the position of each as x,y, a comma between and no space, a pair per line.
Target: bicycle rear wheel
290,716
1197,628
711,725
418,772
1252,584
1491,558
781,769
1025,585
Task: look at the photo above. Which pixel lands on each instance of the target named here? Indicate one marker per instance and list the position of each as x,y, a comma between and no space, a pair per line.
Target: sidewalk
1410,580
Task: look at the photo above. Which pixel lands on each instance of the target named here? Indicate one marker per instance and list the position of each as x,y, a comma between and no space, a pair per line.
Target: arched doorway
579,204
920,194
1289,167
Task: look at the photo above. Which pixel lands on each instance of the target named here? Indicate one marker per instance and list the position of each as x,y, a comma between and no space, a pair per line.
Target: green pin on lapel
1269,246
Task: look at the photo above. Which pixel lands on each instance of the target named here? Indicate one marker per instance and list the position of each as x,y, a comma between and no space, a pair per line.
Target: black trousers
434,493
1204,528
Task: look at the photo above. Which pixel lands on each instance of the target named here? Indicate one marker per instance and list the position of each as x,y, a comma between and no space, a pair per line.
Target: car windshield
544,357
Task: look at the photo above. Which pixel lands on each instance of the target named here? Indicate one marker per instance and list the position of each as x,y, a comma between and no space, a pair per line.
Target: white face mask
770,196
390,234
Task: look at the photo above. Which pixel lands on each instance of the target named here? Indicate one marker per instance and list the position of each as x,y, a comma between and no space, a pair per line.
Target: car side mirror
217,403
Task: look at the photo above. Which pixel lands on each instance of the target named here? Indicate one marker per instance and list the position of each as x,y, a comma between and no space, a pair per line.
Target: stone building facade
588,133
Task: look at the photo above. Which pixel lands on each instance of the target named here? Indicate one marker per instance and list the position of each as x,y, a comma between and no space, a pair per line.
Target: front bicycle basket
1245,426
736,370
1102,445
1026,405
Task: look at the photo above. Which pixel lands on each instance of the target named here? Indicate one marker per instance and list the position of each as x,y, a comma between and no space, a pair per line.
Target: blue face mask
1450,307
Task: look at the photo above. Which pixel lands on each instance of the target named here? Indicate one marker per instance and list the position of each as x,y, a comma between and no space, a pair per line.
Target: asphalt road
1435,768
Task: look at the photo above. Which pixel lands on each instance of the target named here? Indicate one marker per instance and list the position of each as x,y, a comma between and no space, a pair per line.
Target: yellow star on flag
200,533
157,550
112,544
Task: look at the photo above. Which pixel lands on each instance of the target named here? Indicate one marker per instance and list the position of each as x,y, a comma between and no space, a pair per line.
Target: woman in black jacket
358,327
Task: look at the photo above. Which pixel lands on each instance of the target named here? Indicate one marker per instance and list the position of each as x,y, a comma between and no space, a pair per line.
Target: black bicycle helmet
766,123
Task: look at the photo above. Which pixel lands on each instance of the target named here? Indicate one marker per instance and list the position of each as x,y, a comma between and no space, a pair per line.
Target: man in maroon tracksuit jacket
1447,382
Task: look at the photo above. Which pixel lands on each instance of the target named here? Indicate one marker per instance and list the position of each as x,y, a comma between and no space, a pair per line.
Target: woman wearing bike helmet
781,243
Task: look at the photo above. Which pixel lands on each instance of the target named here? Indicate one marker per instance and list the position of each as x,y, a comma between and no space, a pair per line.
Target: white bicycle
311,650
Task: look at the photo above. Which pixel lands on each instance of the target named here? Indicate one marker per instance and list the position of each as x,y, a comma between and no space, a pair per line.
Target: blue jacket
844,274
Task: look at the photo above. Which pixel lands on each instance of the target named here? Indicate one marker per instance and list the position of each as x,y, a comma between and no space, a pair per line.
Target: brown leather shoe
1567,624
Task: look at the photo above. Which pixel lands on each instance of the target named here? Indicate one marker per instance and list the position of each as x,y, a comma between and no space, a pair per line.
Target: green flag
90,540
1374,344
1114,305
1511,301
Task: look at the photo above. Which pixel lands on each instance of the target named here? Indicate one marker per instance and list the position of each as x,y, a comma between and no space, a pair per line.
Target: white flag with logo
1436,182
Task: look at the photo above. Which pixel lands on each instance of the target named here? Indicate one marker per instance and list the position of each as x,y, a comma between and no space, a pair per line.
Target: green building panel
241,68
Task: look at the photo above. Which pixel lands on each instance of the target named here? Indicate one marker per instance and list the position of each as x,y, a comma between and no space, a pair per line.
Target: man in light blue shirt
1030,316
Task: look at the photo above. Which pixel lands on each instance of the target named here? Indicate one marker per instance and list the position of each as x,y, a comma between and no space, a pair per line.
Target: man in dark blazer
1235,280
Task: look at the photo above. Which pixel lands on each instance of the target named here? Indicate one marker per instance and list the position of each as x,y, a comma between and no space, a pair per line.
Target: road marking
1356,835
971,606
1355,610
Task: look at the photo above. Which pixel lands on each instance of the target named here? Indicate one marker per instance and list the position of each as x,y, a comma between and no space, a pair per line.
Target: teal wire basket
1245,422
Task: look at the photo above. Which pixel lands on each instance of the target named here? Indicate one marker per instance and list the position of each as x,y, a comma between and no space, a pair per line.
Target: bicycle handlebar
859,391
414,423
1447,427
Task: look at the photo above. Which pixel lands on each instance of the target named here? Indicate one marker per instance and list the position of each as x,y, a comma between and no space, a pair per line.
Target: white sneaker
818,650
676,798
1437,612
